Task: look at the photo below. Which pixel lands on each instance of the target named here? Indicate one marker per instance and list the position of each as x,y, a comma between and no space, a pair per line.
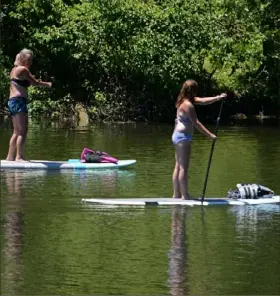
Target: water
52,244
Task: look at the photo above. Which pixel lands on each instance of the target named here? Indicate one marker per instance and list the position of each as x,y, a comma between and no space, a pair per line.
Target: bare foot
10,159
176,196
21,159
187,197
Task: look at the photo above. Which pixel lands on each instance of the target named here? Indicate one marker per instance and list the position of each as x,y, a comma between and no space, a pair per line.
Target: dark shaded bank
80,115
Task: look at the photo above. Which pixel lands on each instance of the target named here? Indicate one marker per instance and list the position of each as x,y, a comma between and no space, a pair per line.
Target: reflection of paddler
178,252
13,181
12,265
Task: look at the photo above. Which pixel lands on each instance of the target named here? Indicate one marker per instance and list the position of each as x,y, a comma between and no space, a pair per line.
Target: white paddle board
173,201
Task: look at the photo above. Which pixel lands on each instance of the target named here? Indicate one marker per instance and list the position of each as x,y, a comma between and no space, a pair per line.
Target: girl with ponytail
185,122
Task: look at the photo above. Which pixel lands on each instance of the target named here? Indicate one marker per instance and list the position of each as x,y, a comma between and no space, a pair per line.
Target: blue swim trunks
178,137
17,105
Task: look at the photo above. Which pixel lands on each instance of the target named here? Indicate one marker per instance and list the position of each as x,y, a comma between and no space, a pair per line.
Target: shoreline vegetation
125,60
79,116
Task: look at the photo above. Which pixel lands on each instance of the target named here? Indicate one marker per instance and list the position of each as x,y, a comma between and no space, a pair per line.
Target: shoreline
77,120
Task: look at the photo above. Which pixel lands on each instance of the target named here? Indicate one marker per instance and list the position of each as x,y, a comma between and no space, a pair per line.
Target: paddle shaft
211,152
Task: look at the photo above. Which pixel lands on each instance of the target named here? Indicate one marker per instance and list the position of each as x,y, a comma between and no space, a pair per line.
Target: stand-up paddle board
71,164
173,201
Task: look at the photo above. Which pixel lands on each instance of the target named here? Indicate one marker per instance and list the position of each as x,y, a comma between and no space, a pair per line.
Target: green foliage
268,78
236,51
40,104
4,82
137,53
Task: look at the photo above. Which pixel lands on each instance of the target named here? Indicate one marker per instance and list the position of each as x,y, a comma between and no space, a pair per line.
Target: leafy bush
135,53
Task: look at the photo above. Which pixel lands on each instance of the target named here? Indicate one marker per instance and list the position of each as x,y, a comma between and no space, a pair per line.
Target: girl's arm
34,81
208,100
190,111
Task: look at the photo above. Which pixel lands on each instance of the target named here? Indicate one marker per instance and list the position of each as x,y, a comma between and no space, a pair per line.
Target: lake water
52,244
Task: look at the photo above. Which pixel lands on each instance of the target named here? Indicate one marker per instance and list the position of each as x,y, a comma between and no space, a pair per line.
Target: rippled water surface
52,244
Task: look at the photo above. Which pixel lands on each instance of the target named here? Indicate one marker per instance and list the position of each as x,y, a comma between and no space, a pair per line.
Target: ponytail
187,92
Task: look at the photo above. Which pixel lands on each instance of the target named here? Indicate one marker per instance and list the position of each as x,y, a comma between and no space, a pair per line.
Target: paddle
212,150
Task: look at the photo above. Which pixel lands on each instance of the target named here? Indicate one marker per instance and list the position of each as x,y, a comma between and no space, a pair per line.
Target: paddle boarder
186,120
21,79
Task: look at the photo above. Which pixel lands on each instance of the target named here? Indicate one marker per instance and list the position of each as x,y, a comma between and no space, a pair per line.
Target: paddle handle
211,152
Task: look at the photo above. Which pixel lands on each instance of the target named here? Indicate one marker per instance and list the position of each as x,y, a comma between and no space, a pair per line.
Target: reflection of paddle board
24,173
62,165
172,201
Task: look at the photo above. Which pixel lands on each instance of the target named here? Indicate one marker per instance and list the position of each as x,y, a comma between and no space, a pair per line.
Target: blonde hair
24,55
188,91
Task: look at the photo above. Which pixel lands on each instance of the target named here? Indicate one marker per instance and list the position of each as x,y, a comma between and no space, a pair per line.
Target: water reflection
178,253
248,219
13,228
26,191
105,250
76,182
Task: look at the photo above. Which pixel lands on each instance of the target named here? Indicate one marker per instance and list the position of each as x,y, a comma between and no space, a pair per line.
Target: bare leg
22,133
12,148
13,140
183,151
175,179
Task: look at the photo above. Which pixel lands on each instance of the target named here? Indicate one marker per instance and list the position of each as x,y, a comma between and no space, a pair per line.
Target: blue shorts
17,105
178,137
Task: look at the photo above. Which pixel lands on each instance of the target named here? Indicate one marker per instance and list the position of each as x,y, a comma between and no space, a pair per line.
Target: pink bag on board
94,156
